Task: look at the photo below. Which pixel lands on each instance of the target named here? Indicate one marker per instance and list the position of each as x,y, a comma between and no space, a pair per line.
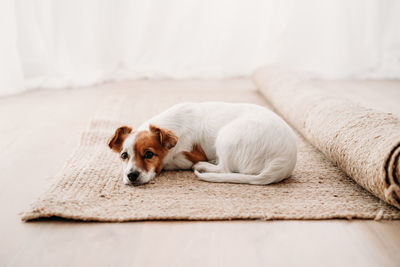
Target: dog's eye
148,154
124,155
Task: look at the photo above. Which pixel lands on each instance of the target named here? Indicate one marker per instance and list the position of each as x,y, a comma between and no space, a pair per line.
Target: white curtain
64,43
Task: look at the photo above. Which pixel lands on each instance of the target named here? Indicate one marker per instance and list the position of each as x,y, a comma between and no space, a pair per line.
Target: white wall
58,43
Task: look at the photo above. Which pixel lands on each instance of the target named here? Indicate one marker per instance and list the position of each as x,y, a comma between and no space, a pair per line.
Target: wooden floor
40,129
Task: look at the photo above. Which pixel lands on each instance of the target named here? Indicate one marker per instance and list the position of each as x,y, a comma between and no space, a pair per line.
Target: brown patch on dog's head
152,146
116,141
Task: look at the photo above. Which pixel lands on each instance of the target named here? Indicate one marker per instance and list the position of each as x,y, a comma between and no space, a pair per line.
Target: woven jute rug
90,187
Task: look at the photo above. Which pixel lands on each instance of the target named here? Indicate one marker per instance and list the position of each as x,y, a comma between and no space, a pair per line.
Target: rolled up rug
363,142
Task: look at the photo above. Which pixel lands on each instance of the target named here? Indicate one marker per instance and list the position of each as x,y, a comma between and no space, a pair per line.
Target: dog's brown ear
166,137
118,138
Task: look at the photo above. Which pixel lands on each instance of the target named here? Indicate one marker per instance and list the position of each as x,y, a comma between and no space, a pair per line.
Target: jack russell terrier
221,142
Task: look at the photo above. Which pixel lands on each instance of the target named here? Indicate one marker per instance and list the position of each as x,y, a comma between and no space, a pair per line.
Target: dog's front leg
196,155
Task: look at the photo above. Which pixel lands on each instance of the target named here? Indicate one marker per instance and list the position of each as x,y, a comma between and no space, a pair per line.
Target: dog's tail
270,175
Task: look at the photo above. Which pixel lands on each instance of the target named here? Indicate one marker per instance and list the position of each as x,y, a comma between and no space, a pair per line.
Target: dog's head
142,152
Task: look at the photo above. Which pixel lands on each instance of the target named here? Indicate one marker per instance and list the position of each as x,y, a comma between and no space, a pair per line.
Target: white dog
222,142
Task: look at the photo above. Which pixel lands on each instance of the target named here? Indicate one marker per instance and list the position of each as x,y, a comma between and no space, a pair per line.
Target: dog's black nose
133,176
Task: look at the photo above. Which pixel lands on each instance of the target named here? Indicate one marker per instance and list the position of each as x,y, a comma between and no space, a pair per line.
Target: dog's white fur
244,143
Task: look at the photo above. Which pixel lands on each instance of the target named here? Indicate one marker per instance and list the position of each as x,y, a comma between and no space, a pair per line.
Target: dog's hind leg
204,166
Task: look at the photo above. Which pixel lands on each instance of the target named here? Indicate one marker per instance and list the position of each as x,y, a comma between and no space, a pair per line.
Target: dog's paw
200,166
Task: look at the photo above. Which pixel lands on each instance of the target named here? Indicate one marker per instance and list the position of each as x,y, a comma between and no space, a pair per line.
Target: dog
221,142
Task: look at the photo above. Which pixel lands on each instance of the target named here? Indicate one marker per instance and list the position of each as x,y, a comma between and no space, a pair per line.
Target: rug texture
90,187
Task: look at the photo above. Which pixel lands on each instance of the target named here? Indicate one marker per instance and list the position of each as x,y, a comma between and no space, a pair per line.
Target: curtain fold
53,44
